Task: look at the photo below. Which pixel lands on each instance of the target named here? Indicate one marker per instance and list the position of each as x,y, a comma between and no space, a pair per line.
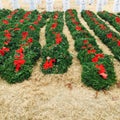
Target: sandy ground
49,97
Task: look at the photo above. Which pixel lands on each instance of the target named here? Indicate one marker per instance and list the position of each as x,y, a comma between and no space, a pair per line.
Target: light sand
59,97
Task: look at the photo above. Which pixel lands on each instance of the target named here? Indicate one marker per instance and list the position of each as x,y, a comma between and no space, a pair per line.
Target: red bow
117,19
109,35
48,64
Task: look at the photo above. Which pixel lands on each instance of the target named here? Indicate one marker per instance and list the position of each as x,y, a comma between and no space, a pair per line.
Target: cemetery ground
61,96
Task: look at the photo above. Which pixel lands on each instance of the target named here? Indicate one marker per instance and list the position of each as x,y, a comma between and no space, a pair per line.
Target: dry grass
59,97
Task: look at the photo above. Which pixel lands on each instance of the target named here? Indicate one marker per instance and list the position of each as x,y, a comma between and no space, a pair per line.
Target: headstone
32,5
116,6
119,6
99,5
49,5
82,5
77,2
66,5
105,2
1,5
15,4
91,2
38,1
